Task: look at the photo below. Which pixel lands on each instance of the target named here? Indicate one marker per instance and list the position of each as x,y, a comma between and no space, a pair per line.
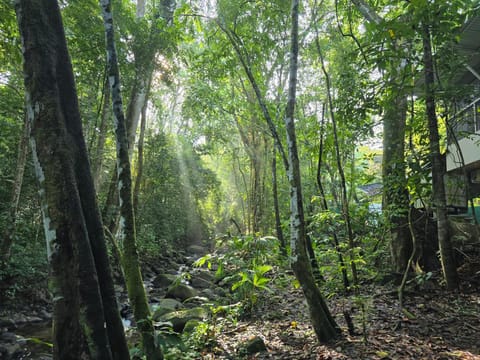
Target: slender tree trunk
336,242
323,323
258,94
135,288
102,136
83,327
395,193
278,222
438,168
343,185
395,200
9,233
141,140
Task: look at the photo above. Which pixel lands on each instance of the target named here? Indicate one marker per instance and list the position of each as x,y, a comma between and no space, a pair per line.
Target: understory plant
243,262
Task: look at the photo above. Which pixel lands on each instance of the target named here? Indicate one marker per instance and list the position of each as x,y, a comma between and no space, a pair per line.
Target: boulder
7,323
163,280
190,326
201,279
180,318
166,306
181,292
196,250
253,345
196,301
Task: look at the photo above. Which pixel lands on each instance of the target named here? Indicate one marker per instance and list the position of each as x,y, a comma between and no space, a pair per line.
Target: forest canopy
316,150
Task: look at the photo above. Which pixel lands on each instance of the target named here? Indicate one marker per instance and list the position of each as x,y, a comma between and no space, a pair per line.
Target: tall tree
131,266
438,165
395,193
87,322
323,323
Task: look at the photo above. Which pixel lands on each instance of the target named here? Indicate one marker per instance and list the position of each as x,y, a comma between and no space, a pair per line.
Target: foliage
370,254
242,262
175,185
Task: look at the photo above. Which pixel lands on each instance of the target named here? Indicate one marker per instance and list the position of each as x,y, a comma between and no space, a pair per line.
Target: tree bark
343,185
438,167
395,194
278,222
324,204
141,141
232,37
135,288
102,135
84,325
323,323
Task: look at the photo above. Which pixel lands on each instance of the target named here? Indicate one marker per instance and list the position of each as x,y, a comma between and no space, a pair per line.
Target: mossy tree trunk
323,323
438,167
130,262
86,319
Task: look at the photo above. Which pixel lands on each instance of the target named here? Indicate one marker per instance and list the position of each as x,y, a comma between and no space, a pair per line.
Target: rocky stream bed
439,326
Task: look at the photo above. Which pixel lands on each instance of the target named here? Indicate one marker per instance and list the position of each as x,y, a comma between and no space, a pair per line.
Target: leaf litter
443,326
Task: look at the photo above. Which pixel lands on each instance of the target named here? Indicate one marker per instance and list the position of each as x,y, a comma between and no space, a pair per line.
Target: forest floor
436,325
439,325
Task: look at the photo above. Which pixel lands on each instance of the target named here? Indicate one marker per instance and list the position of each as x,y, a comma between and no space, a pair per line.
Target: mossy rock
201,279
166,306
164,280
252,346
181,292
196,301
191,325
180,318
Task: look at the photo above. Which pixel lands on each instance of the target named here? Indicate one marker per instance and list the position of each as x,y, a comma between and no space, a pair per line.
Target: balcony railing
465,122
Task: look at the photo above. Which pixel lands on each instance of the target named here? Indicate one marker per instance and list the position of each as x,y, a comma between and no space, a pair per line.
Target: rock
7,323
220,292
163,280
11,346
201,279
34,319
11,351
190,326
196,250
166,306
252,346
8,337
196,301
208,293
181,292
180,318
45,315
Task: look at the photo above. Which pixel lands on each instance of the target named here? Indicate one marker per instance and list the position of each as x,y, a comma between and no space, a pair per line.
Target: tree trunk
102,135
438,168
9,233
395,194
136,291
278,222
324,204
84,326
323,323
141,140
395,200
343,185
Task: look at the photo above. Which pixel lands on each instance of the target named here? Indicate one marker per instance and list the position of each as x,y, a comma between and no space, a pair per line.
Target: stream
33,339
